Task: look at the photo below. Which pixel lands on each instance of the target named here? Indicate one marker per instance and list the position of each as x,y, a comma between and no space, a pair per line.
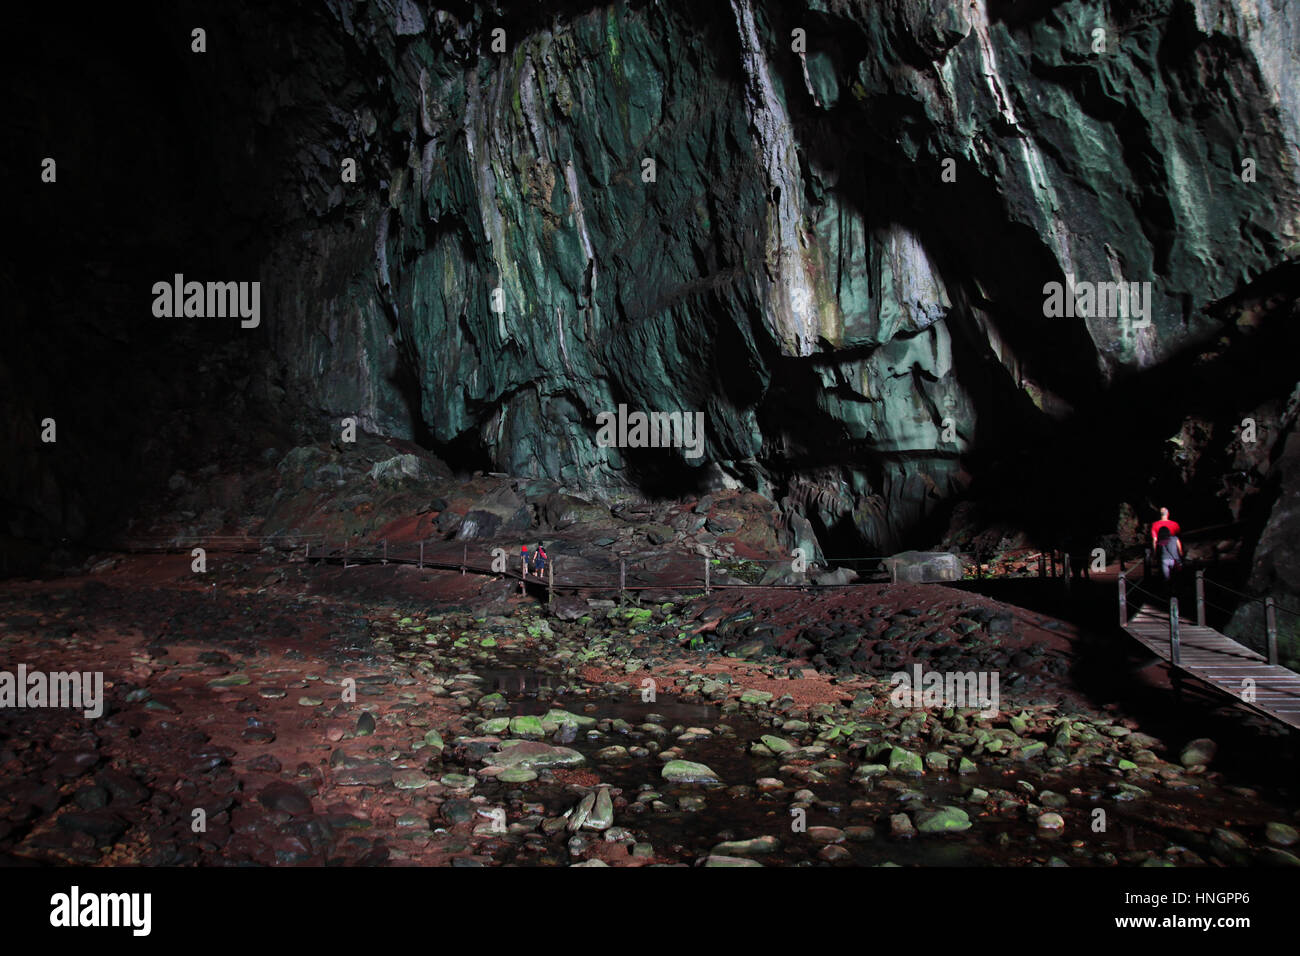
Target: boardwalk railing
1199,651
637,572
438,554
1271,607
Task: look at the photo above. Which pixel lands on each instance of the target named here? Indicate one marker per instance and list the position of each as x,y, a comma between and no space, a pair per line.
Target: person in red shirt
1164,522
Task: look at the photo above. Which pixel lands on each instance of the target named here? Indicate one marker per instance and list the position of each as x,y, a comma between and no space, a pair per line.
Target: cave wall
799,269
864,337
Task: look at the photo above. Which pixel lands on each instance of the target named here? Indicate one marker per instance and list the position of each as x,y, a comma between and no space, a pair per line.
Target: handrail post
421,554
1270,623
622,581
1123,601
1066,572
550,582
307,556
1053,562
523,574
345,554
1042,565
1174,654
464,559
1200,597
706,574
385,551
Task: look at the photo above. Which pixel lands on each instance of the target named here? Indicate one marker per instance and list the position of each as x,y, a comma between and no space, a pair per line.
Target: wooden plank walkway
1214,659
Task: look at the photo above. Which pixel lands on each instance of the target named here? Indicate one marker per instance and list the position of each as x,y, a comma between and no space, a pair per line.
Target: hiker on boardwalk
539,560
1169,555
1164,522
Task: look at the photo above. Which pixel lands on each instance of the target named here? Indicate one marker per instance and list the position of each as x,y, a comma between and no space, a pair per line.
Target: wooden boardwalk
1210,657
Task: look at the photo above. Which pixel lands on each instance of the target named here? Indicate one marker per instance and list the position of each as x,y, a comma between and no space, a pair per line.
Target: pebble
410,780
943,820
758,846
684,771
517,775
286,798
457,781
1280,834
834,854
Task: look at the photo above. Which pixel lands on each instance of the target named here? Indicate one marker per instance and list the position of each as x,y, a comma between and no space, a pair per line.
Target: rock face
828,229
844,246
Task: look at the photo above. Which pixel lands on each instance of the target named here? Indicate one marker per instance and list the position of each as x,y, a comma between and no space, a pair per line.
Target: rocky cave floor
228,693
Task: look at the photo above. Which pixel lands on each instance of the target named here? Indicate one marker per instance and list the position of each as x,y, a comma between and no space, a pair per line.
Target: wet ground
290,714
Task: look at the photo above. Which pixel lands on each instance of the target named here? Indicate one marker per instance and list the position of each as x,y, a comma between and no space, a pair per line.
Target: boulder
658,533
1198,752
569,608
924,567
499,512
535,756
559,511
837,577
943,820
684,771
398,468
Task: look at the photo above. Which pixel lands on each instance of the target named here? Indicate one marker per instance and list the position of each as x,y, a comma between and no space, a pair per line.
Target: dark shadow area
150,144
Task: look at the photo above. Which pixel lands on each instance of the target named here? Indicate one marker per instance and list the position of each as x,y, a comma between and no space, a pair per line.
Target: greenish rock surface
1199,751
233,680
506,265
904,761
535,756
410,780
602,813
936,761
526,727
558,717
684,771
1281,834
758,846
517,775
943,820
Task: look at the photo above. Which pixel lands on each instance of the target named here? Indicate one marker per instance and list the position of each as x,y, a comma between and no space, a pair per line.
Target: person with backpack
539,560
1169,554
1164,522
